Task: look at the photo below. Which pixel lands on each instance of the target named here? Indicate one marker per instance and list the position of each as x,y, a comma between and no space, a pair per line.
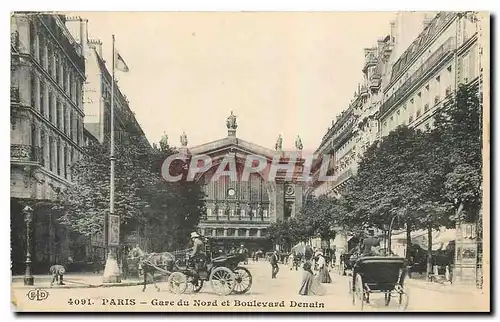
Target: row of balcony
238,218
23,152
430,63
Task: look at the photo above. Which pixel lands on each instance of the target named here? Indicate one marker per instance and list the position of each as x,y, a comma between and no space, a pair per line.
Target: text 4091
80,302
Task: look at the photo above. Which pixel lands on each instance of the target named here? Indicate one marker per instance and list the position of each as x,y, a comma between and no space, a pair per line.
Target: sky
280,73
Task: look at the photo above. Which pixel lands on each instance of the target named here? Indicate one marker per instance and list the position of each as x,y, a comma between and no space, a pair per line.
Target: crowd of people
316,263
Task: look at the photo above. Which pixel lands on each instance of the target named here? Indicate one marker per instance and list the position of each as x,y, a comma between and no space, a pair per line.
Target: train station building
239,207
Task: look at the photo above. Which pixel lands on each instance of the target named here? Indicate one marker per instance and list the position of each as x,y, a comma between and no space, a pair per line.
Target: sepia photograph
298,162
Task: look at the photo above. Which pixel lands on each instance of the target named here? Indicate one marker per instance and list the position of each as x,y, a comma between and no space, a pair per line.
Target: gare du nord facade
239,210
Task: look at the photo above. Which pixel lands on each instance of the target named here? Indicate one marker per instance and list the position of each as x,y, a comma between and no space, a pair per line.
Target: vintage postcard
250,161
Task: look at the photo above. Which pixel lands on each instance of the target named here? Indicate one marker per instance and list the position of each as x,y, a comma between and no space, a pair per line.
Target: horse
149,263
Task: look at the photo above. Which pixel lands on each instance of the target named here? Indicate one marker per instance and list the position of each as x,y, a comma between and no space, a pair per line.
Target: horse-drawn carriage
223,272
377,274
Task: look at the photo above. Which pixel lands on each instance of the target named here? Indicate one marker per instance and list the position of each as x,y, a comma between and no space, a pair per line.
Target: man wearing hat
370,243
274,264
244,252
198,251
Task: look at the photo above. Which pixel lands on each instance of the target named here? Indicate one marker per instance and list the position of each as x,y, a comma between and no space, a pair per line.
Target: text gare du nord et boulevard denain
201,303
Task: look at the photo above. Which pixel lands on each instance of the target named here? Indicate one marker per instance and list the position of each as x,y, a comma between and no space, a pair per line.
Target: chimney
84,38
393,30
97,45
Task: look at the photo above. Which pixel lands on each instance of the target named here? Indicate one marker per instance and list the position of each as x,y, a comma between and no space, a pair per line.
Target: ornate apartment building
47,77
97,105
443,55
405,83
97,90
356,128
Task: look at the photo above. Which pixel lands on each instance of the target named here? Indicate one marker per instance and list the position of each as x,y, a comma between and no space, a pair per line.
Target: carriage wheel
359,293
194,287
387,298
243,280
177,283
222,280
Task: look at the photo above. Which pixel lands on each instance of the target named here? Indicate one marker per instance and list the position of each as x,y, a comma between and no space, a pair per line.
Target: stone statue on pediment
231,121
184,139
164,141
298,143
279,143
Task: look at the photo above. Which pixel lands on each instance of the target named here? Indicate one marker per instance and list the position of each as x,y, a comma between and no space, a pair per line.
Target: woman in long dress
323,274
310,285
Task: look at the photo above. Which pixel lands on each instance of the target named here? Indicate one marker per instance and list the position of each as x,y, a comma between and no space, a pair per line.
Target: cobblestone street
264,289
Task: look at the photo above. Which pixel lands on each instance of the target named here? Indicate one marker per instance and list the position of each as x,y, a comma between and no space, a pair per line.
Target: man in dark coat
370,243
274,264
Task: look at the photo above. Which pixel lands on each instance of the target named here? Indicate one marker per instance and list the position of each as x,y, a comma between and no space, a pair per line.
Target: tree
287,233
163,212
321,215
395,178
86,202
457,136
176,207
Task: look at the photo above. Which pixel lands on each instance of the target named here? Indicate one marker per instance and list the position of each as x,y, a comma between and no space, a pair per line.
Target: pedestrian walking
310,285
323,274
274,264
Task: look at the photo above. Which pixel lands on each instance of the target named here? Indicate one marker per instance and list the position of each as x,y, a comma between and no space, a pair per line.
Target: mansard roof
437,24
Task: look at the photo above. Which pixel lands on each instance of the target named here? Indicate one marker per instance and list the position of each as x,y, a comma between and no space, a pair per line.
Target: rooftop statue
298,143
279,143
184,139
231,121
164,141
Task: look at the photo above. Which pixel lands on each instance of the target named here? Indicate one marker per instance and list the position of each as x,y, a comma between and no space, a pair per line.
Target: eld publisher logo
37,295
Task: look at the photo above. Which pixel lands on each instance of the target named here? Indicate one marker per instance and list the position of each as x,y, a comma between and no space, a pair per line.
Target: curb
72,286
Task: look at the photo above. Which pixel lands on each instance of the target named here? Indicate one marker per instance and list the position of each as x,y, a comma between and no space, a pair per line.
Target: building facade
406,83
239,211
47,77
356,128
97,90
443,55
97,106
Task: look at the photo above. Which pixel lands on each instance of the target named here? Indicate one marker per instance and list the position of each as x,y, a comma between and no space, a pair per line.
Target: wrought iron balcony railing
430,63
23,152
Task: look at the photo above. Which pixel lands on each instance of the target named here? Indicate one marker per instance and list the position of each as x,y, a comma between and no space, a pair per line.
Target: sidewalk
446,287
72,281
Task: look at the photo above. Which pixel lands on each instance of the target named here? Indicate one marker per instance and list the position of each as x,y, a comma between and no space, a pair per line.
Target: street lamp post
28,218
